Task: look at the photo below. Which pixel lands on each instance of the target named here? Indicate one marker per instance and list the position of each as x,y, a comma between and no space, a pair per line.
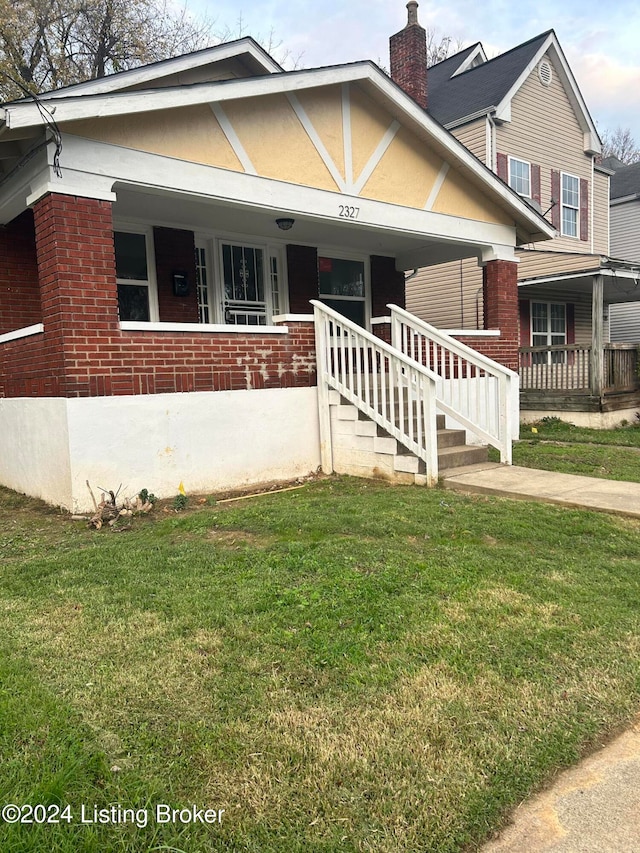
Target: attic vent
545,73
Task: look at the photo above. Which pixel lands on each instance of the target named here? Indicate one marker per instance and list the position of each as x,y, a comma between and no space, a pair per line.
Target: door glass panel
202,285
243,280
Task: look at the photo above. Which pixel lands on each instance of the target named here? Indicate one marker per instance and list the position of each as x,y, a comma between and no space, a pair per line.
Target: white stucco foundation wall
592,420
34,448
209,441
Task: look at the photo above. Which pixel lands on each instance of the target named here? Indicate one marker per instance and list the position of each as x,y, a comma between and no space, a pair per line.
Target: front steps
363,449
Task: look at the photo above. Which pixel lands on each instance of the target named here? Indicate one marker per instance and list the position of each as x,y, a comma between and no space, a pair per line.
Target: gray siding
624,322
625,231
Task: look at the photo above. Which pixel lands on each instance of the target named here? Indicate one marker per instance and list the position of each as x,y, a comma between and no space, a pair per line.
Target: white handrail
472,388
391,389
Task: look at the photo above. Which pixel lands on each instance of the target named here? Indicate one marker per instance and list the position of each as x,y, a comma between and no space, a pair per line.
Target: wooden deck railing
569,369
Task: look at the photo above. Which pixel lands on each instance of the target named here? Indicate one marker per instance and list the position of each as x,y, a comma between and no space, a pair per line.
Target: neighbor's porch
578,370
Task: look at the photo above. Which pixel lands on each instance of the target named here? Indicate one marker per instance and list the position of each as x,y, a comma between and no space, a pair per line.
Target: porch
568,363
579,378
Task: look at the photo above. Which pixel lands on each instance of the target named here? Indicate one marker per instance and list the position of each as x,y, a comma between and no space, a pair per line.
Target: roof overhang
530,226
621,282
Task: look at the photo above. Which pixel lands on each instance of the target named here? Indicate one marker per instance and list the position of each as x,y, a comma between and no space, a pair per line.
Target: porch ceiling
183,211
618,286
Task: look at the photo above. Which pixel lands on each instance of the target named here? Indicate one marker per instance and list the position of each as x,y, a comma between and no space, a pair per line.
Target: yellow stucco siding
405,174
163,132
458,197
276,141
324,108
369,123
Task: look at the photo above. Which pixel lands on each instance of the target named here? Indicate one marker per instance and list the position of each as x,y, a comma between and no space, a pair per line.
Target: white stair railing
476,391
390,388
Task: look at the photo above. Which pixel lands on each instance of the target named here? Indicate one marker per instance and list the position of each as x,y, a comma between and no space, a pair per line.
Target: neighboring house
163,232
624,319
522,114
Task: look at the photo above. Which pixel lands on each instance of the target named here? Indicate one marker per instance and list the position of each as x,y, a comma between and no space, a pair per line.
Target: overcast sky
600,38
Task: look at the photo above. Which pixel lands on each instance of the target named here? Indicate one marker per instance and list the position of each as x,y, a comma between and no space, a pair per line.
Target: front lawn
553,445
346,667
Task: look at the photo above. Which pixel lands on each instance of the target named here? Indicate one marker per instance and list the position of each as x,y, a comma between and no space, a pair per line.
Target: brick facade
19,287
83,352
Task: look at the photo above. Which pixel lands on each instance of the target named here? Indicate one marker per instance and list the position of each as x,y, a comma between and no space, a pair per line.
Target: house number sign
345,211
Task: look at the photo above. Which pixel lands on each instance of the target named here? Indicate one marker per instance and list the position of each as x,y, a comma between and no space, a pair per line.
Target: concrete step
458,457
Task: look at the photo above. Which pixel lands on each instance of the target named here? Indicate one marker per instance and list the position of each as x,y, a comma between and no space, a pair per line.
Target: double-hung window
136,296
570,191
520,176
548,328
342,287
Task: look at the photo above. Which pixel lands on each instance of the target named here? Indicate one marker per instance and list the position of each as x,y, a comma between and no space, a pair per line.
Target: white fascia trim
503,110
176,65
623,199
25,332
167,175
200,328
477,51
293,318
378,321
26,114
486,111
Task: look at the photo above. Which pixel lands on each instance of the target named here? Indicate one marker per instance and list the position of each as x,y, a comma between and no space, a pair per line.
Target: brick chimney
408,50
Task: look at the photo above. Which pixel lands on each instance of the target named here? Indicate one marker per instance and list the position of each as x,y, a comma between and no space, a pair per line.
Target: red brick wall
302,269
387,285
408,54
500,298
19,289
175,252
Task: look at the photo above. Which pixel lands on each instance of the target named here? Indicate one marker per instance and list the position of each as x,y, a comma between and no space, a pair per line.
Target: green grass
555,445
555,429
347,667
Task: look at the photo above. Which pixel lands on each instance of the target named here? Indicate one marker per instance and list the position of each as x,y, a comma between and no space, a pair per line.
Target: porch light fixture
285,224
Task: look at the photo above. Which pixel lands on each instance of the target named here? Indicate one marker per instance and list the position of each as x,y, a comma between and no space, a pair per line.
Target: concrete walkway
530,484
595,806
591,808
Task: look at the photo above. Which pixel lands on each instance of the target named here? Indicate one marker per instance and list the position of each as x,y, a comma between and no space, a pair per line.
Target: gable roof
488,88
626,182
114,96
245,49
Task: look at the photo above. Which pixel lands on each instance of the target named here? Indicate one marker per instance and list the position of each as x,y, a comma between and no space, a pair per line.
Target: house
523,115
163,233
624,318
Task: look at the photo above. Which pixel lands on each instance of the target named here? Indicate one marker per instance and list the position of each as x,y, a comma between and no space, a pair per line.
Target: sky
600,38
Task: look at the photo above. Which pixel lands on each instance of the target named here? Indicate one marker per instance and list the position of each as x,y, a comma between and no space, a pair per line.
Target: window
135,299
520,176
548,328
570,205
342,287
202,284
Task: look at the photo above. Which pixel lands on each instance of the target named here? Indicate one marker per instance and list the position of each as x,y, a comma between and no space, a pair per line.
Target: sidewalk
593,807
532,484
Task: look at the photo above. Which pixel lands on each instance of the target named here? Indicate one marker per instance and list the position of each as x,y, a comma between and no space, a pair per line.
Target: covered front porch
577,370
